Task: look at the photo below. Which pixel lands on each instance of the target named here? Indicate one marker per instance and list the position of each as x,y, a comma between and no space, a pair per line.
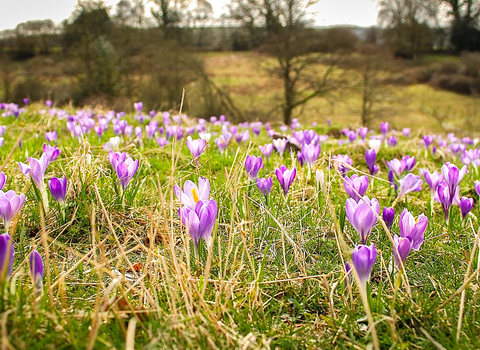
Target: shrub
459,83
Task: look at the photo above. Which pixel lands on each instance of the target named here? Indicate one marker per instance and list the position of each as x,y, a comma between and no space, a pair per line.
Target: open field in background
244,75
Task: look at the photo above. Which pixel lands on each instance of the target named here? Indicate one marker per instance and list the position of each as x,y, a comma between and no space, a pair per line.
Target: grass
122,273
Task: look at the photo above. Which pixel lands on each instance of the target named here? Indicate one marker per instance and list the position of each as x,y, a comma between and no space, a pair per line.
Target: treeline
115,56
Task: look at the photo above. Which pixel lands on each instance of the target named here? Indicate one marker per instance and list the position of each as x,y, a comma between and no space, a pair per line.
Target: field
125,260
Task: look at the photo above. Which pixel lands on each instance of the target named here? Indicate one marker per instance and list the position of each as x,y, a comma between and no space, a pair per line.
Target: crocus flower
222,143
388,216
280,145
2,129
266,150
427,140
352,135
477,187
265,185
413,229
433,180
452,176
396,166
410,183
406,132
48,103
384,128
6,257
300,158
51,136
362,215
162,141
363,132
25,101
392,141
370,158
138,106
320,177
391,179
253,165
58,189
310,153
36,170
192,193
408,163
125,169
196,147
401,249
36,269
285,177
363,258
52,152
466,205
10,204
3,179
200,220
375,144
356,186
443,196
343,162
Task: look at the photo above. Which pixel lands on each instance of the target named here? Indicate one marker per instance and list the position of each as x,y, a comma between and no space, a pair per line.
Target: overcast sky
328,12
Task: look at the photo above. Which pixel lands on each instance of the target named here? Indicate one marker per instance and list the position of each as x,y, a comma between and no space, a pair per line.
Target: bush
471,63
459,83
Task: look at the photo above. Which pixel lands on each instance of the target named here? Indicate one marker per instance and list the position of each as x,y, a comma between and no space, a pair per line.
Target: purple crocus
48,103
363,258
300,158
433,180
408,163
200,220
6,257
280,145
162,141
410,183
370,158
384,128
285,177
388,216
222,143
52,152
466,205
192,193
37,270
58,189
427,140
392,141
406,132
252,166
443,196
266,150
36,170
396,166
343,163
401,248
265,185
138,106
363,133
477,187
310,153
391,179
452,176
356,186
10,204
51,136
362,215
125,169
413,229
196,147
3,179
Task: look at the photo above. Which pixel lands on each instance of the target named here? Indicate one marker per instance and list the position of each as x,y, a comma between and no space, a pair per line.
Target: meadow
155,230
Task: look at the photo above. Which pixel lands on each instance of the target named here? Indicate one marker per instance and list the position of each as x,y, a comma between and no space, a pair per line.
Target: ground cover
121,268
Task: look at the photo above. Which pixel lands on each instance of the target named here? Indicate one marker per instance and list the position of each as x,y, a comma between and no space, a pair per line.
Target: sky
327,12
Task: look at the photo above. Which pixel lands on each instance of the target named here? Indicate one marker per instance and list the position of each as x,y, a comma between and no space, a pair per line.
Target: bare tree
465,29
170,14
283,27
407,24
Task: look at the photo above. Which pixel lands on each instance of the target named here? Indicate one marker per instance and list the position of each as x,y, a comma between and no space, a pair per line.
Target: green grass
274,274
